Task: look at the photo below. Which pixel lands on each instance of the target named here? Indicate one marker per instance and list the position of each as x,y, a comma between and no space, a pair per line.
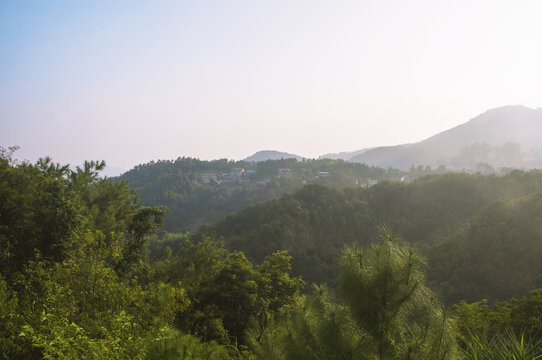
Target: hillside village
239,175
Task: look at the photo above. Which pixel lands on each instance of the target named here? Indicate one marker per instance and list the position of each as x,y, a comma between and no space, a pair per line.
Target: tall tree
384,288
387,313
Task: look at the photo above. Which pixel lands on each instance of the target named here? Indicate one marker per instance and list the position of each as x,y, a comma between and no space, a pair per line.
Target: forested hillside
76,281
201,192
433,213
80,277
495,255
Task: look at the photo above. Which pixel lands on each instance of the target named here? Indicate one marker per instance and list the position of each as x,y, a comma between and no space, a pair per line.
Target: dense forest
86,272
481,234
201,192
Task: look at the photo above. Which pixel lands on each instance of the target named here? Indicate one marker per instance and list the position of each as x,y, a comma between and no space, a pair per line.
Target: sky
134,81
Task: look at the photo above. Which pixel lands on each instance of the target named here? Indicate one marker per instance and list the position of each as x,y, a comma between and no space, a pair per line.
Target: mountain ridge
506,136
264,155
495,127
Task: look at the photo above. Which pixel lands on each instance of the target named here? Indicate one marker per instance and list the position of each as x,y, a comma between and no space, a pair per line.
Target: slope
314,223
497,127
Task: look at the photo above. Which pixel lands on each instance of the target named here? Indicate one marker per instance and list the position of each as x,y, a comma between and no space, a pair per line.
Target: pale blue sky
131,81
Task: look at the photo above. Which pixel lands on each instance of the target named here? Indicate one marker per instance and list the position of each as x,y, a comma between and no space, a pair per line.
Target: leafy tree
37,213
236,294
11,321
145,220
172,344
483,326
228,295
274,281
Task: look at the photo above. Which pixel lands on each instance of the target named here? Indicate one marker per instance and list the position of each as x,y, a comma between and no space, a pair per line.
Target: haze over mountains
507,136
272,155
504,137
344,155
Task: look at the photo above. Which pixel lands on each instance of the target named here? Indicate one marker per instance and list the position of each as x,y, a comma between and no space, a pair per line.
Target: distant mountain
271,155
345,155
503,137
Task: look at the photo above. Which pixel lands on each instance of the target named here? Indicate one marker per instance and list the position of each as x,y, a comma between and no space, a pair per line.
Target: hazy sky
132,81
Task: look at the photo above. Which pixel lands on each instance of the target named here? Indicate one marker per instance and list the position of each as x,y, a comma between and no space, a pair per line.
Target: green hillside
496,255
316,222
201,192
83,277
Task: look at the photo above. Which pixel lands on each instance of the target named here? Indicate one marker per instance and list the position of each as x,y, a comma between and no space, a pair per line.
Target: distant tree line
178,184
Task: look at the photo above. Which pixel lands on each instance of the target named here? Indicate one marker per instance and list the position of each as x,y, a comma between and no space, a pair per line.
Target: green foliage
521,316
228,295
495,255
384,289
274,282
312,224
44,206
176,184
57,338
172,344
87,309
197,266
37,213
386,313
63,235
313,328
11,321
506,330
145,220
502,346
76,280
236,294
434,213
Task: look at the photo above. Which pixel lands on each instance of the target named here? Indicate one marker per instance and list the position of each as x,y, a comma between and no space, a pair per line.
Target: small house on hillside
237,173
368,183
207,178
287,172
251,173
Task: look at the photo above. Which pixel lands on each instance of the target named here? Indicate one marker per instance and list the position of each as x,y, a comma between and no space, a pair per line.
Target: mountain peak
272,155
516,124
